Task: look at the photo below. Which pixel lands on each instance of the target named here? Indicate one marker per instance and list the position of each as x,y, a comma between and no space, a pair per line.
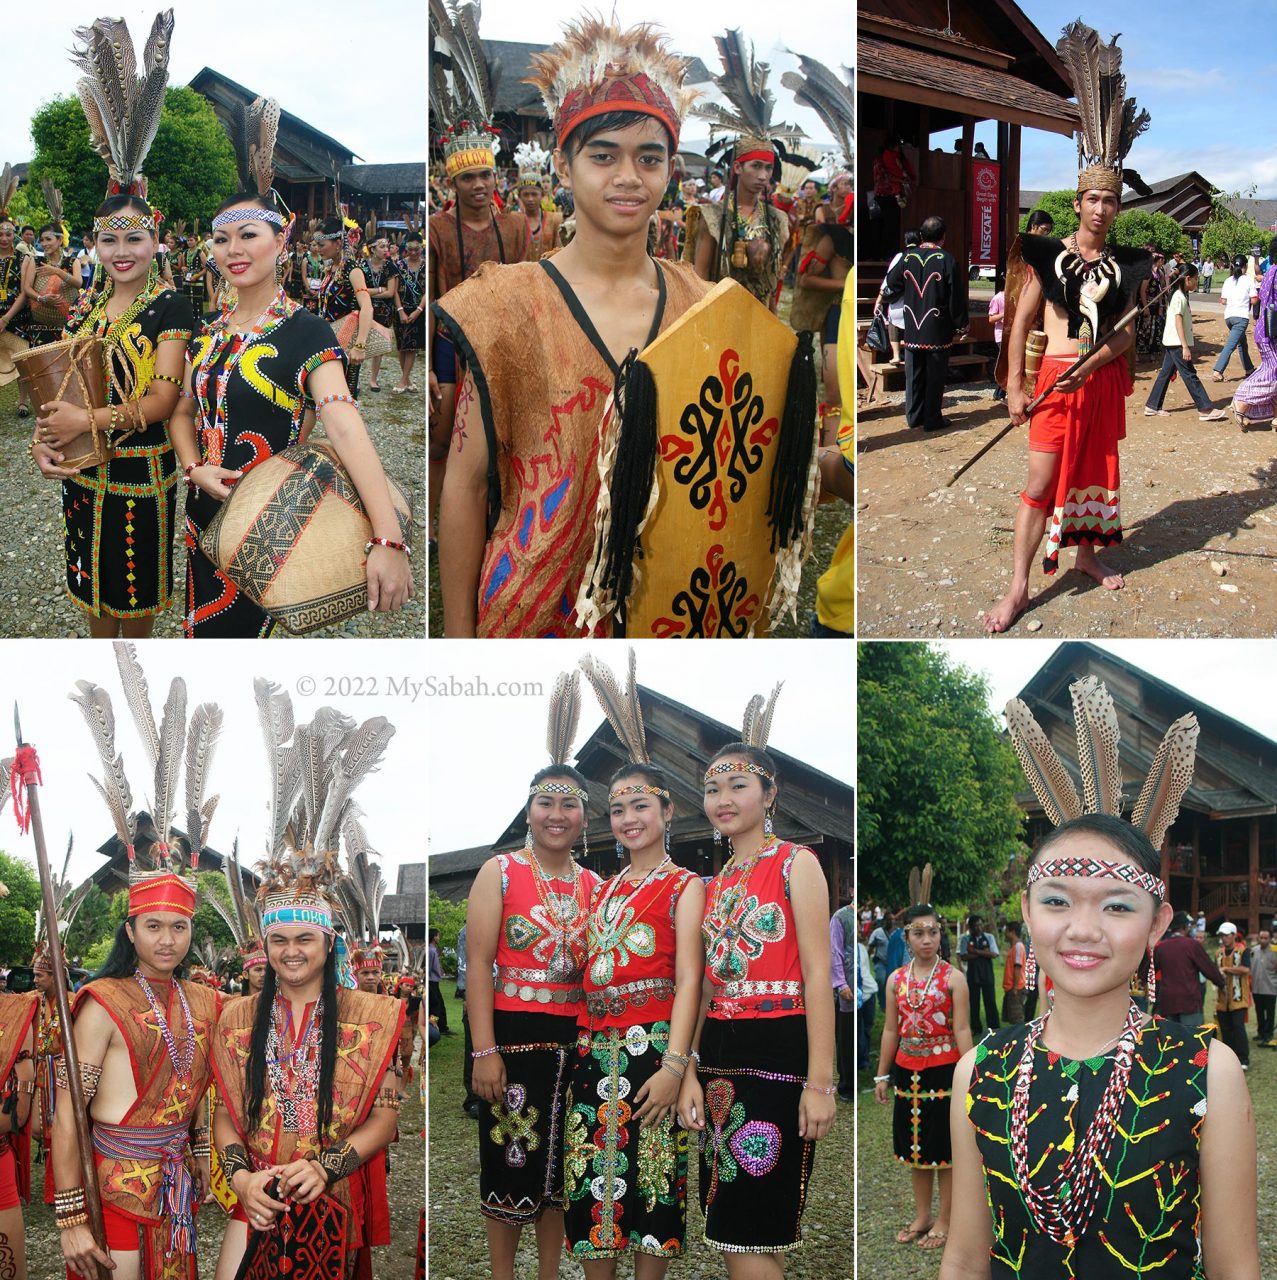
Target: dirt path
1199,505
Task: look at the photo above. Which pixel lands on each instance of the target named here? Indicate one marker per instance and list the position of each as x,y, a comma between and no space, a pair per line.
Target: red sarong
1084,428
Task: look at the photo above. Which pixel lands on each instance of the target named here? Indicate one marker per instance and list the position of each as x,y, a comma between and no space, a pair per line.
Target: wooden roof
1187,197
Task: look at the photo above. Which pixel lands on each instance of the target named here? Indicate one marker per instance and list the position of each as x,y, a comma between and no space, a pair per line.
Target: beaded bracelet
389,544
186,474
881,1079
695,1056
167,377
483,1053
815,1088
72,1220
665,1066
335,399
681,1058
201,1150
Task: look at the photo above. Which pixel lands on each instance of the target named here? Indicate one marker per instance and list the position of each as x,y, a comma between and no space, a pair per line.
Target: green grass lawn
457,1243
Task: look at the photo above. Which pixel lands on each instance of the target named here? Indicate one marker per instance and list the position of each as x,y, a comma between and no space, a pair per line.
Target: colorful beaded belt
615,1000
765,1004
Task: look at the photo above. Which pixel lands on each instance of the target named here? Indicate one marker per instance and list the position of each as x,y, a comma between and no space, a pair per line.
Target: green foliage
937,781
17,911
27,207
447,917
1226,234
1059,204
92,923
190,170
207,923
1136,228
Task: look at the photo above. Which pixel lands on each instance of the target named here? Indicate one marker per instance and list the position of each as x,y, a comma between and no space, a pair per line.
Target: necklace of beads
1064,1206
294,1072
183,1061
611,895
910,986
563,967
728,905
753,227
213,436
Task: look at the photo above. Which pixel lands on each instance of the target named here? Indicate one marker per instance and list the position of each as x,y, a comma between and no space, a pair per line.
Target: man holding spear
1087,285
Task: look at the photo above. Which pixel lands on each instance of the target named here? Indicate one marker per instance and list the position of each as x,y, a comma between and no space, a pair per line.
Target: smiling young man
516,523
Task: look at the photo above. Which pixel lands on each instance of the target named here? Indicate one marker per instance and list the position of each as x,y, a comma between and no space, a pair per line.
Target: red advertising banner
984,213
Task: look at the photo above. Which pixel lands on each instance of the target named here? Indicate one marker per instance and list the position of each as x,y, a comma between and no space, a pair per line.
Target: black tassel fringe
794,448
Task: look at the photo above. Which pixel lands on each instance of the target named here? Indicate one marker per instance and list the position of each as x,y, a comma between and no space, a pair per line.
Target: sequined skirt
754,1168
521,1137
920,1121
626,1185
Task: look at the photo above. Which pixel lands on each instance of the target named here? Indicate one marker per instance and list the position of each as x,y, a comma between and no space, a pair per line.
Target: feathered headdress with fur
751,133
1109,122
597,68
158,855
67,901
361,893
1098,739
462,87
833,100
121,101
532,161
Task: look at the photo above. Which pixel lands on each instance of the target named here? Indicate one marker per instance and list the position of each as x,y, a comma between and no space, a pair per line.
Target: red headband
769,156
1095,867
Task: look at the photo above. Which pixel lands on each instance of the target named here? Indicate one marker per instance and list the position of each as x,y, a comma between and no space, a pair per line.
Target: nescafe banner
984,213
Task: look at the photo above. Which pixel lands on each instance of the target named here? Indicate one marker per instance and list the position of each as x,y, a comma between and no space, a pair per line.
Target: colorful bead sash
1095,867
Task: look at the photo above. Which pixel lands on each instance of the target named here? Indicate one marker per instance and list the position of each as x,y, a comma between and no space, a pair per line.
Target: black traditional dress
412,289
1146,1216
754,1165
337,300
119,518
246,410
382,308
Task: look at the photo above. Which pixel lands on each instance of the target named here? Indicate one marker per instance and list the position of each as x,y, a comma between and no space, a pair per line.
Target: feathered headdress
533,162
462,87
920,886
255,134
833,100
1109,121
361,894
53,200
8,188
756,728
315,770
67,901
242,917
121,102
751,132
1095,720
158,856
596,68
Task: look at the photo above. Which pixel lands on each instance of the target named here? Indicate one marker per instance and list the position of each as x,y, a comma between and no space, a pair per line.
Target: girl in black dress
344,291
380,274
119,518
410,308
241,408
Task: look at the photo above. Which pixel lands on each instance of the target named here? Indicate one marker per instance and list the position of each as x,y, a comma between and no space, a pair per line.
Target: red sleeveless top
751,946
541,950
631,943
925,1010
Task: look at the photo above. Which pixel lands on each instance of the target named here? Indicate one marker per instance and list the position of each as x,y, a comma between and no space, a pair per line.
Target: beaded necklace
926,987
294,1073
563,967
1064,1207
414,281
610,892
183,1061
213,434
727,906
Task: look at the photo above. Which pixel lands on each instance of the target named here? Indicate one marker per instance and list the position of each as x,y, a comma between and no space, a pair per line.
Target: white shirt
717,193
1238,292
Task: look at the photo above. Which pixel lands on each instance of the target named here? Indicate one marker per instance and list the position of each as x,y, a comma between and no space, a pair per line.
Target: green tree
92,923
190,170
17,910
1135,228
1059,204
27,208
447,917
1226,234
936,779
208,925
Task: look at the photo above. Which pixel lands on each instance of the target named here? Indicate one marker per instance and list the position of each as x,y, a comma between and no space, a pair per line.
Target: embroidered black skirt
754,1168
920,1120
626,1185
521,1137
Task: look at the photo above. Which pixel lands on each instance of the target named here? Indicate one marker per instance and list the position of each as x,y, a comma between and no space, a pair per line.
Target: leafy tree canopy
190,170
1059,204
936,779
1136,228
1226,234
447,917
18,910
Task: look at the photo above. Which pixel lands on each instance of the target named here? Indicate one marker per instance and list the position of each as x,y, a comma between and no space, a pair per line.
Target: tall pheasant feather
565,715
620,707
361,756
743,83
1097,745
275,715
201,740
756,727
138,699
168,766
832,99
1045,771
256,132
1168,779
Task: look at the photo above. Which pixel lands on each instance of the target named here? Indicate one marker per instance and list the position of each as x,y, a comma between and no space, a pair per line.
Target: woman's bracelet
336,398
881,1079
389,544
674,1071
476,1054
816,1088
186,474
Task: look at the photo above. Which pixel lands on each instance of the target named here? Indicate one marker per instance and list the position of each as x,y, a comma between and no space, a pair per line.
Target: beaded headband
638,789
124,222
558,789
731,766
250,214
1096,867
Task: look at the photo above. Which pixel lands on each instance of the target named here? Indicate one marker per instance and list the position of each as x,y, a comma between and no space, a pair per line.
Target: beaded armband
234,1160
338,1162
90,1076
68,1209
167,377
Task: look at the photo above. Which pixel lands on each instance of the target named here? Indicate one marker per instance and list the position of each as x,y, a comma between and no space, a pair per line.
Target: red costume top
17,1013
925,1010
541,950
629,974
751,945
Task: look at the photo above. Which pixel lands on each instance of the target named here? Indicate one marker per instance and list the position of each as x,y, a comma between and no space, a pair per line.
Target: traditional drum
702,532
378,343
292,535
73,370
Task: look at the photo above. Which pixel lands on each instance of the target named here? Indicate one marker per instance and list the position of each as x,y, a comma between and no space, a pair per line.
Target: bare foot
1089,563
1006,611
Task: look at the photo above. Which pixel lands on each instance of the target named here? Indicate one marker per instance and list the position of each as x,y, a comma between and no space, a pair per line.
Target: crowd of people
589,253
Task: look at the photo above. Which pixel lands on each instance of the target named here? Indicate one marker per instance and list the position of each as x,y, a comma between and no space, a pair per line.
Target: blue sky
1207,76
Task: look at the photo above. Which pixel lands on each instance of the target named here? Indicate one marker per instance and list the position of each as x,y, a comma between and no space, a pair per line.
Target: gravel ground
457,1244
885,1202
395,1261
831,520
33,600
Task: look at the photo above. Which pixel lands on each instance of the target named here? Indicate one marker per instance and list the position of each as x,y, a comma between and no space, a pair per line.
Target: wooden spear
71,1056
1173,275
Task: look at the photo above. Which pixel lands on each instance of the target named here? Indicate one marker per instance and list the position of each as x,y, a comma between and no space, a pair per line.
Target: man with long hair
17,1091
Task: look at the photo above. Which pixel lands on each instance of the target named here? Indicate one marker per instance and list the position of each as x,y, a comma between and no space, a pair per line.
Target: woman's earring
527,840
620,851
1031,970
1151,985
585,838
718,836
669,826
767,823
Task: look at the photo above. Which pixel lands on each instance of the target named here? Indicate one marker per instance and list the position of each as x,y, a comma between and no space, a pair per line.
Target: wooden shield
721,374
